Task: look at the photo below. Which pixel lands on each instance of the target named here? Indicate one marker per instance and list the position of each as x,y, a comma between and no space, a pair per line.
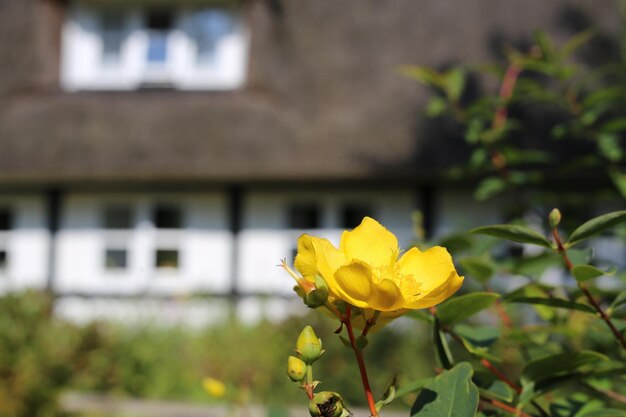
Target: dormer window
126,47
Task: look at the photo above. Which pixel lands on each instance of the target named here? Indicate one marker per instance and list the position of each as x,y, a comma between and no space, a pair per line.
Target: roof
324,99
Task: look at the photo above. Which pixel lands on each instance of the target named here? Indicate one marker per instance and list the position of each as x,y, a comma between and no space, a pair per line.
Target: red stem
505,407
568,264
359,358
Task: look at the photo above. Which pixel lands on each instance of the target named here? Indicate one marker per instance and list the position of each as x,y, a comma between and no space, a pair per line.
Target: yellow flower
214,387
366,272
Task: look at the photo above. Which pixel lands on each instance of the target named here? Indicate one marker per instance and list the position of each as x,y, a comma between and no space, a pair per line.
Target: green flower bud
296,369
308,345
316,298
555,218
327,404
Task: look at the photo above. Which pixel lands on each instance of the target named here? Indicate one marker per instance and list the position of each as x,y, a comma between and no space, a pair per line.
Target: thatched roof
324,99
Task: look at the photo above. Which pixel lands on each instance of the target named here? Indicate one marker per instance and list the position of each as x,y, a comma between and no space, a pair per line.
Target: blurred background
159,158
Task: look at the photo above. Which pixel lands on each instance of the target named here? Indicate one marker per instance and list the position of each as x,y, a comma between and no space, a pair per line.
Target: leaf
595,226
603,412
424,75
609,146
617,305
489,187
412,387
455,83
520,234
561,363
464,306
614,126
420,315
481,336
389,394
499,391
479,268
553,302
575,42
451,394
584,273
441,346
619,179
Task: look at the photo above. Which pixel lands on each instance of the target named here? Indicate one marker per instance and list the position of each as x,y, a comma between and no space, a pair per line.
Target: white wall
265,238
27,243
204,246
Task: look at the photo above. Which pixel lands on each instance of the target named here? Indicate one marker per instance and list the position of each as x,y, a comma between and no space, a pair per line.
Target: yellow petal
354,283
317,256
370,242
305,261
386,296
428,277
439,294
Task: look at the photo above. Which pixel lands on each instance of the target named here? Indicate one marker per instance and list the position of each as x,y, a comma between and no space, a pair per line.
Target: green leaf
609,146
479,268
482,336
595,226
451,394
436,106
499,391
619,180
389,395
455,83
575,42
545,45
441,346
617,305
561,363
614,126
424,75
412,386
553,302
603,412
464,306
520,234
584,273
489,187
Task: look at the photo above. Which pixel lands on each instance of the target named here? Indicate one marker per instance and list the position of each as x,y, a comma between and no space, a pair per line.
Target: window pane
112,30
159,24
167,258
3,260
209,27
352,215
6,219
115,259
118,217
168,217
304,216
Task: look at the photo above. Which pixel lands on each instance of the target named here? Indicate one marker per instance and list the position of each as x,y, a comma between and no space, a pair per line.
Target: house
157,149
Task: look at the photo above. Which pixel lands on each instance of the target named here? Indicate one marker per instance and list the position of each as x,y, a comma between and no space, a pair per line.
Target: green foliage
451,394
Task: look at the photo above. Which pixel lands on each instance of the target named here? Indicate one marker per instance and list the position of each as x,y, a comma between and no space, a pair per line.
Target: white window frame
81,57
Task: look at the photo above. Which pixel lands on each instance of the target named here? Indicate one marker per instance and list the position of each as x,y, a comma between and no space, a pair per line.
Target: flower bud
296,369
316,298
555,218
308,345
327,404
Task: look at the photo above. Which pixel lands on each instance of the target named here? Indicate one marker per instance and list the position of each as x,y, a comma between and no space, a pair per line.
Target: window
6,219
159,26
132,45
168,217
166,259
352,215
3,260
118,217
116,259
304,216
112,29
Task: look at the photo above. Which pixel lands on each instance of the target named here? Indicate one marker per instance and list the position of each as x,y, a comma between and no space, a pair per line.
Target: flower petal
317,256
432,272
386,296
370,242
354,283
439,294
306,259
